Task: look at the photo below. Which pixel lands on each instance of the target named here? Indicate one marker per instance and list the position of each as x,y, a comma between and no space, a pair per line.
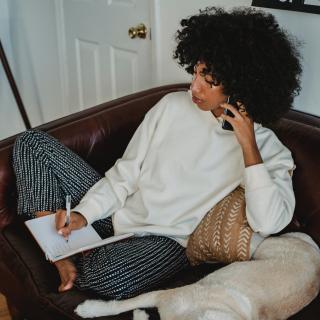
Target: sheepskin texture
282,278
140,315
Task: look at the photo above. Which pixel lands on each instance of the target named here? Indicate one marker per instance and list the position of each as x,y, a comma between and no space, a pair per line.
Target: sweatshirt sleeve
120,181
270,200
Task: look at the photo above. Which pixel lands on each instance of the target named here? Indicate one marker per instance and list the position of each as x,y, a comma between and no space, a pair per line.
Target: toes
66,285
67,273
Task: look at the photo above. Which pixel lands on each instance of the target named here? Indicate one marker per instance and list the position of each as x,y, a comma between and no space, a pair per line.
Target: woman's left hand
242,124
244,130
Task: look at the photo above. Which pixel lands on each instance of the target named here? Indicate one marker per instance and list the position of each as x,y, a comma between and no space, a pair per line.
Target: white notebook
56,247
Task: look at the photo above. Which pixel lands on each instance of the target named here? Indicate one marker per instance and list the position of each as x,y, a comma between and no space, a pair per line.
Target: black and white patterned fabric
46,171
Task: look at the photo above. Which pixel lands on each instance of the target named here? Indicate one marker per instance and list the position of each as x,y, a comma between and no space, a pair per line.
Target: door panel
88,72
124,73
103,62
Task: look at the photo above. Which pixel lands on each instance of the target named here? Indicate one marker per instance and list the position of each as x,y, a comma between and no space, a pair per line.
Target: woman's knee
29,138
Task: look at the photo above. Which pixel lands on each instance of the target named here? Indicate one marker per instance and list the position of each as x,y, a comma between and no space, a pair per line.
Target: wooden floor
4,313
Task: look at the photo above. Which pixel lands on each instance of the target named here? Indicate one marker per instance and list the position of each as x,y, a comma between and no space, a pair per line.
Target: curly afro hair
247,52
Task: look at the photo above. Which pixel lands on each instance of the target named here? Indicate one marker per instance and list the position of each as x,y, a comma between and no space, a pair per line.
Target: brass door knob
139,31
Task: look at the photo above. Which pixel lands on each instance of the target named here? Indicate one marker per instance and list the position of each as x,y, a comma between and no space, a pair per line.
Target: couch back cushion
100,135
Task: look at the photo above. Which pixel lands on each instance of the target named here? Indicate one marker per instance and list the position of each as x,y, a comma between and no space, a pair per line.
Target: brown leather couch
100,135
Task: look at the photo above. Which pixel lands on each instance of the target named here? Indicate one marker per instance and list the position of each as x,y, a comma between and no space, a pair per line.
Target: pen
68,208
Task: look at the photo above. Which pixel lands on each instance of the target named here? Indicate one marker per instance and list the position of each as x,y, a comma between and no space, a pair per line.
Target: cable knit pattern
223,234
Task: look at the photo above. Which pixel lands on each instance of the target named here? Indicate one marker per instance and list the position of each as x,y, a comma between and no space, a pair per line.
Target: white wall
38,50
35,51
29,30
304,25
10,120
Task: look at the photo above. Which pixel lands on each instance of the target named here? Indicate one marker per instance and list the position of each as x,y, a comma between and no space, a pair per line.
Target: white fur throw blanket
282,278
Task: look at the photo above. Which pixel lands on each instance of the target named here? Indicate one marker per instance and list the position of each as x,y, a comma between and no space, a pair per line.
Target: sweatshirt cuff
256,177
90,215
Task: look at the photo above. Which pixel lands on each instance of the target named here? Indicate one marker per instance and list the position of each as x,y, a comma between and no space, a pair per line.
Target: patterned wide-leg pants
46,171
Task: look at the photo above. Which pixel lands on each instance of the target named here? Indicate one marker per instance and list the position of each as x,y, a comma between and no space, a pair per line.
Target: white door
102,61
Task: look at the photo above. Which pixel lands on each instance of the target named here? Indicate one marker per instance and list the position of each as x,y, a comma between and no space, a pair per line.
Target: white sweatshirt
179,164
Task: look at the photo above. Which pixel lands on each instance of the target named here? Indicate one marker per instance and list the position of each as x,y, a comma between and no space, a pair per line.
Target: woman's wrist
251,155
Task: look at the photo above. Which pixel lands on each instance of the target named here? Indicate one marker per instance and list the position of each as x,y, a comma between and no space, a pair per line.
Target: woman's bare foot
66,268
67,272
42,213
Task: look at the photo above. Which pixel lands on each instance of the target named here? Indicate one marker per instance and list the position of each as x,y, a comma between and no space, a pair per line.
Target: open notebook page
56,247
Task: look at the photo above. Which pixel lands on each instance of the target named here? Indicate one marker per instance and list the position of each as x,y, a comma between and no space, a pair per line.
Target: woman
180,161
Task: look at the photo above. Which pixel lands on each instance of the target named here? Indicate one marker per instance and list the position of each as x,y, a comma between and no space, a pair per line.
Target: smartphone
225,124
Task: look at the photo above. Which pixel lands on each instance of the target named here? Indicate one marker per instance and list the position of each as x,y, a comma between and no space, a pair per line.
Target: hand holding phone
225,124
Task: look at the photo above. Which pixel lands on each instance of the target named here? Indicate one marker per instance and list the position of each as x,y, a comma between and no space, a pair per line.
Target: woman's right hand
77,221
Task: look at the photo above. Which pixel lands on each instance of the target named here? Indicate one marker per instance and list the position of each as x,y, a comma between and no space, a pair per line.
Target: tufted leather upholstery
100,135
